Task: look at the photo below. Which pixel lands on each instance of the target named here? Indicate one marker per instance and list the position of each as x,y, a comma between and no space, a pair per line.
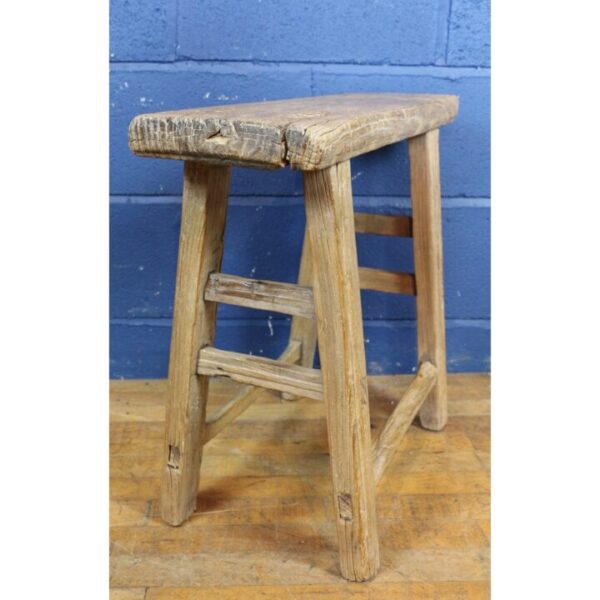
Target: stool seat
304,133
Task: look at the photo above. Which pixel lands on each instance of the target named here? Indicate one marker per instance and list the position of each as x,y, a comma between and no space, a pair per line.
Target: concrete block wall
169,54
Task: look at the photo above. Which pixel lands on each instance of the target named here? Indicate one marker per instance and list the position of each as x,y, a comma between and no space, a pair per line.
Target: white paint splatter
207,95
375,367
270,326
357,175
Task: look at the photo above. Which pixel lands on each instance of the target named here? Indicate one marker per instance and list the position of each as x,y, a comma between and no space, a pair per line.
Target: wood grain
389,225
285,298
433,511
203,216
387,281
330,224
303,330
306,133
260,371
399,421
241,401
427,242
444,590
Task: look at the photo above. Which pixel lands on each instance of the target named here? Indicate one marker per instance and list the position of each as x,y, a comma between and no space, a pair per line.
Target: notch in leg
330,224
427,240
203,215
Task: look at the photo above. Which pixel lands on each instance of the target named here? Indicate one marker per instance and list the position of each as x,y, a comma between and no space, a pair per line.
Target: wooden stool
318,136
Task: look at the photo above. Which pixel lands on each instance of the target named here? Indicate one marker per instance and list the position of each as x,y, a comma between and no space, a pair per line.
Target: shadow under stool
319,136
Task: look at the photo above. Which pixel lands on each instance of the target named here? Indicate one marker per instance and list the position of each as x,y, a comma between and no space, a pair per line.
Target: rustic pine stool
318,136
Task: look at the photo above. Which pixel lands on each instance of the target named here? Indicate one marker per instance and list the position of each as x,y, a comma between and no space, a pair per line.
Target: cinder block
264,241
353,31
142,30
141,350
469,34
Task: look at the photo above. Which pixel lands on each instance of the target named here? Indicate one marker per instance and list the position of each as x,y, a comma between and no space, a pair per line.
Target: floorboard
263,527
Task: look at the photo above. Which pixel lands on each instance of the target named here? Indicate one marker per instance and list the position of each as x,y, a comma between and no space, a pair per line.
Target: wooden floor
264,525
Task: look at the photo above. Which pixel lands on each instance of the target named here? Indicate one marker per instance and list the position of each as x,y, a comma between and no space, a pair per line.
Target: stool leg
427,239
200,250
330,224
305,330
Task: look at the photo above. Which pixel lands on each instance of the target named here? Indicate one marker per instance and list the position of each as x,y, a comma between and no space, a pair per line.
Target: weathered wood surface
306,133
285,298
330,226
387,281
303,330
394,225
204,210
386,446
232,409
260,371
427,243
264,532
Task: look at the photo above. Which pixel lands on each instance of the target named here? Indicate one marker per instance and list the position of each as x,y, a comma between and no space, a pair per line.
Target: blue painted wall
169,54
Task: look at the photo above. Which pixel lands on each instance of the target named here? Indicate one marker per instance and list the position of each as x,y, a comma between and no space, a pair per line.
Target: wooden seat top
305,133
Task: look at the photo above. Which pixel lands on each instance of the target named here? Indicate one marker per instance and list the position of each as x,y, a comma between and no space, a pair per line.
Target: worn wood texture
427,242
400,420
232,409
394,225
306,133
387,281
203,216
260,371
303,330
330,225
264,524
285,298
